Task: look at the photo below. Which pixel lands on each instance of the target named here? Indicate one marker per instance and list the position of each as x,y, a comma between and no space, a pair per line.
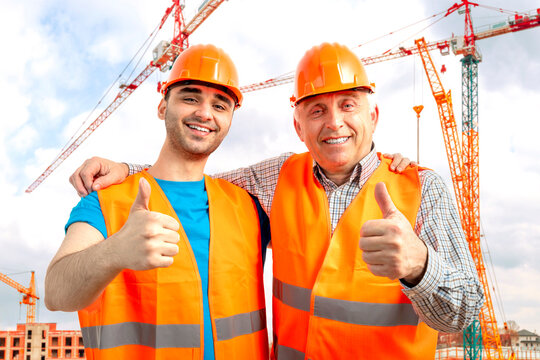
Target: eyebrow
224,99
193,90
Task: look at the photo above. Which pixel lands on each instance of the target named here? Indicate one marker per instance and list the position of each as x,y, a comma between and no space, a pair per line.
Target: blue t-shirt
190,202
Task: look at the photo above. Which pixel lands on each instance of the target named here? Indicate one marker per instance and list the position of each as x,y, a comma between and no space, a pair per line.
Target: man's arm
259,179
80,270
450,295
85,264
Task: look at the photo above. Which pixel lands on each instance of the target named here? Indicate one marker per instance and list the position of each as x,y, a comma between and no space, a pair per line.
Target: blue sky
60,57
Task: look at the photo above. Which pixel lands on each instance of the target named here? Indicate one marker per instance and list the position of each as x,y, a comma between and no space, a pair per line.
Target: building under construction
40,341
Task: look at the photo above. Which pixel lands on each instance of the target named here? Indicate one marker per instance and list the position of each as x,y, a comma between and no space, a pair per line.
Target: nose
204,111
334,119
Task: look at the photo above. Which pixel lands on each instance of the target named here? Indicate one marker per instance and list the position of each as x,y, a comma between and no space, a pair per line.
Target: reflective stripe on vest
287,353
327,303
350,312
158,314
240,324
135,333
170,336
294,296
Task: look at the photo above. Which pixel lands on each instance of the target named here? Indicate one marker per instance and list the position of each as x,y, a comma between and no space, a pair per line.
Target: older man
367,262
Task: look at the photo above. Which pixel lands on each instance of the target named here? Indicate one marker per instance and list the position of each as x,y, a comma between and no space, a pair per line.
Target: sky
60,57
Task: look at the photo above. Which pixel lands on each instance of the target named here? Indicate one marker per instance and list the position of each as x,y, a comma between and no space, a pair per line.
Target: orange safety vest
326,302
158,314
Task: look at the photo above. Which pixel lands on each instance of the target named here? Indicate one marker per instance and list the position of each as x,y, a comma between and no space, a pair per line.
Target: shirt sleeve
260,180
449,296
88,210
136,168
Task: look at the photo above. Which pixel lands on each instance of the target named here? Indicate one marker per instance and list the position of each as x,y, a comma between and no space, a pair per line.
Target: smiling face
197,119
337,129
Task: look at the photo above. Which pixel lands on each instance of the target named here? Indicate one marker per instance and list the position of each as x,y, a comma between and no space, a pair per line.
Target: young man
367,262
168,264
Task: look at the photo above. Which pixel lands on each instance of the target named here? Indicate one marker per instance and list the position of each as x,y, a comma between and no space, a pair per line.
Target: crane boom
120,98
29,295
165,57
204,12
448,122
521,21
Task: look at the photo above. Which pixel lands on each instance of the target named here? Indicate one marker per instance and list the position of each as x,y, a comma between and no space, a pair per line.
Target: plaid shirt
449,296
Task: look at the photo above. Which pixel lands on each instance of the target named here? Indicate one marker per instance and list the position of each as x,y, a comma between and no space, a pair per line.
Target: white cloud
62,56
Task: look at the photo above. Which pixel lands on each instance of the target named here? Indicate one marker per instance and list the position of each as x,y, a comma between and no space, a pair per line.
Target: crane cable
148,40
400,29
491,273
510,12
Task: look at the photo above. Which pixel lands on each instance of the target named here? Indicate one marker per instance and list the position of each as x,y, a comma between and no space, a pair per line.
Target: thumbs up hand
148,239
389,245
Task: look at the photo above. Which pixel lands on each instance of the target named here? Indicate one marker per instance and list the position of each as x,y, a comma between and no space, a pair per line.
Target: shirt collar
361,172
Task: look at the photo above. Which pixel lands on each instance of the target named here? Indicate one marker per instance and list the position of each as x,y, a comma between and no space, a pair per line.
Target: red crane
164,55
29,295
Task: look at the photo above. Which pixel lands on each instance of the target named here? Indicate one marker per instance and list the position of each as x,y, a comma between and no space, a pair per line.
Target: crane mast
29,295
463,158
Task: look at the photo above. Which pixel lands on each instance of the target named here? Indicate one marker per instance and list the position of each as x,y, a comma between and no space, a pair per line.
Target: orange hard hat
327,68
208,64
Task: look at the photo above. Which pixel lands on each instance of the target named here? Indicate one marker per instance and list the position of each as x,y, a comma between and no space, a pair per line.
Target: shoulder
225,188
429,178
433,186
124,192
87,203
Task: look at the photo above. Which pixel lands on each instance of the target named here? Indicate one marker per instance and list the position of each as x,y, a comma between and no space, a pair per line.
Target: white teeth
198,128
336,141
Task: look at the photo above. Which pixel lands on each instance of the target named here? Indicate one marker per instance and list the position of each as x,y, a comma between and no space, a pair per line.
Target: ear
375,117
162,109
298,127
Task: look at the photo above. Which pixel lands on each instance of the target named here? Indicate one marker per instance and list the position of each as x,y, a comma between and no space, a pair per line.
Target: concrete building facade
40,341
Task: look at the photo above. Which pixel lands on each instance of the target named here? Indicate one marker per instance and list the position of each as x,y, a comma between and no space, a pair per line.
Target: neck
174,166
339,178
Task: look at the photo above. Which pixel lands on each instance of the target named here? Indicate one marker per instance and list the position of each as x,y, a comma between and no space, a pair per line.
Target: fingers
396,160
399,162
77,183
384,201
169,249
143,196
89,171
371,243
404,163
111,173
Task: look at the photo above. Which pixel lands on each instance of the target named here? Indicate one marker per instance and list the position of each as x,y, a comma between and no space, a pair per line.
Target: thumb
384,200
143,196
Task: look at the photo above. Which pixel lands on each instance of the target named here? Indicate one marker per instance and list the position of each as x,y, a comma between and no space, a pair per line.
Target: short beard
178,142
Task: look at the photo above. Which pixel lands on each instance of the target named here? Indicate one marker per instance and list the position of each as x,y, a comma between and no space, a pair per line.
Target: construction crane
462,158
485,329
163,56
29,295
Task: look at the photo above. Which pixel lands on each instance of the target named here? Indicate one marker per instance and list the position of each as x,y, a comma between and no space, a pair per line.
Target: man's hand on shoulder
97,173
399,162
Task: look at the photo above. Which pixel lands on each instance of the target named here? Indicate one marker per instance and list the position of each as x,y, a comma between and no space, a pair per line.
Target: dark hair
225,89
